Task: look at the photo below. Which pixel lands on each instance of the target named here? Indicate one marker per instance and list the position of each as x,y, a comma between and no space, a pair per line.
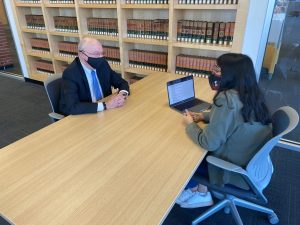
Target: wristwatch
104,105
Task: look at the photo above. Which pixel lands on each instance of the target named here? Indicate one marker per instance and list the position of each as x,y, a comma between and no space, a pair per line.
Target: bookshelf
121,12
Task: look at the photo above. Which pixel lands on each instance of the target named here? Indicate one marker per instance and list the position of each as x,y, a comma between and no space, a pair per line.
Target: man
88,79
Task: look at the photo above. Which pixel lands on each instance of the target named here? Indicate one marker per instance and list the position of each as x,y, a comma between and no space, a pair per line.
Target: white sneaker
185,195
198,200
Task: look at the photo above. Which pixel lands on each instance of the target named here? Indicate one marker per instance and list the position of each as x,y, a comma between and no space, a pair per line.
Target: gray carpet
24,109
283,195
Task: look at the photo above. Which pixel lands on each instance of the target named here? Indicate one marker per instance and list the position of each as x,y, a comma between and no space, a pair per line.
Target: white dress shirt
88,75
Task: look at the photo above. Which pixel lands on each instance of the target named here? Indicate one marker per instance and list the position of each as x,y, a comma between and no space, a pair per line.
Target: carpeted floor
24,109
283,195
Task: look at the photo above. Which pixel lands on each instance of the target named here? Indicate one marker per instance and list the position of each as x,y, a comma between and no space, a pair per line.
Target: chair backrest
53,87
260,167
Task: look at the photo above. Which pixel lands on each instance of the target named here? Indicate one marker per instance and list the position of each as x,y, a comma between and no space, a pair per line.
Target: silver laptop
181,93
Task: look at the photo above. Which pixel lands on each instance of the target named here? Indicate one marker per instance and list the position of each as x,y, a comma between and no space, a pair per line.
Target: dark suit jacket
75,92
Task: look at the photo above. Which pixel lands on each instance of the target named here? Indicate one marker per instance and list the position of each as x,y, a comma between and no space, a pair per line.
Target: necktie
96,86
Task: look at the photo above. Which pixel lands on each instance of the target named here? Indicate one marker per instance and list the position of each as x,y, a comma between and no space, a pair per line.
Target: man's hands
189,117
116,101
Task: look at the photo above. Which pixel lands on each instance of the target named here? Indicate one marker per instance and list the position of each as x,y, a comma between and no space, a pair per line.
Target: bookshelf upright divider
121,31
47,24
197,53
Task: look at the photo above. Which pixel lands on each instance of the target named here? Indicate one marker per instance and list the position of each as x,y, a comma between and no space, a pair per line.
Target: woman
238,125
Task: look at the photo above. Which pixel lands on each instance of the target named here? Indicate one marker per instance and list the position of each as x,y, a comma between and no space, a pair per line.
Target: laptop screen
180,90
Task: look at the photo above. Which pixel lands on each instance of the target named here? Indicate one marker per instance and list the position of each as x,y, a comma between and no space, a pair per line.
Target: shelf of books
145,6
140,37
27,4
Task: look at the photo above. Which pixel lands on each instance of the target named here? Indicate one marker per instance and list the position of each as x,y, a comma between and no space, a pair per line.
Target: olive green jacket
228,137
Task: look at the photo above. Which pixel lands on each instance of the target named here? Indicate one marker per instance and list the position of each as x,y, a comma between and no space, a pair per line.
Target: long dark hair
237,72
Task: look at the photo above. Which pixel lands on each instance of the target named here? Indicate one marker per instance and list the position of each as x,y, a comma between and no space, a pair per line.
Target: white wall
12,23
257,31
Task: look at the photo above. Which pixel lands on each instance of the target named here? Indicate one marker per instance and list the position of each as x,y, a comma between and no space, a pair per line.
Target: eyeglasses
216,70
96,54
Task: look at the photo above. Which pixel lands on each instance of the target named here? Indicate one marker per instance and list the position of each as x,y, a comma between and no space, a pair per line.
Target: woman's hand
197,117
187,118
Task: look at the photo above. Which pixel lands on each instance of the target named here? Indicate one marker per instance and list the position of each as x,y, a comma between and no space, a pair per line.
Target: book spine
216,33
227,33
232,26
221,33
209,32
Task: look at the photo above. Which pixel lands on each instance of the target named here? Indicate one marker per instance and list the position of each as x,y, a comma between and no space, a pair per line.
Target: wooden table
122,166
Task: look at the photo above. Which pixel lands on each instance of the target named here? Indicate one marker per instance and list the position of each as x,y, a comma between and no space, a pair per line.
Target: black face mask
95,62
214,81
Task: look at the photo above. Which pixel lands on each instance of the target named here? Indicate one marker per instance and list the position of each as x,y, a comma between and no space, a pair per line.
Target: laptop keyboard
189,104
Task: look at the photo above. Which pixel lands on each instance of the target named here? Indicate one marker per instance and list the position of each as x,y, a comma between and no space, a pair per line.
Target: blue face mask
214,81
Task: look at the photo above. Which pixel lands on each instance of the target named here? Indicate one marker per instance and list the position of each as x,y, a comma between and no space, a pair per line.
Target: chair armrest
220,163
56,116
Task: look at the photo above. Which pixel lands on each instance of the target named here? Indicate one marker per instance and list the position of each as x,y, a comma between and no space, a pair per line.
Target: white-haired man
88,79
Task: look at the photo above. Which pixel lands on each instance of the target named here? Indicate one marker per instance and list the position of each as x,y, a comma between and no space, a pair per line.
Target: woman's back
240,141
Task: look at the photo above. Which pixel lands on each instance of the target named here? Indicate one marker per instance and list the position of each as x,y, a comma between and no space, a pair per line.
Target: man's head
90,51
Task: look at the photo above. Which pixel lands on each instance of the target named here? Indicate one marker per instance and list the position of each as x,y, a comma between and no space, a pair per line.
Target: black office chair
53,87
257,174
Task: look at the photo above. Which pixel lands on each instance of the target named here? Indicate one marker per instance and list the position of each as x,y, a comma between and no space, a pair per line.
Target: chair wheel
273,219
227,210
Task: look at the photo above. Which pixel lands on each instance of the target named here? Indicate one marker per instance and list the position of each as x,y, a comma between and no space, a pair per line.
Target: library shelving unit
121,11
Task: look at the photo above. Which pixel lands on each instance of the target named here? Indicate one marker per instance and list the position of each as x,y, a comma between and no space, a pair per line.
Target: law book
179,30
221,33
141,27
40,44
166,30
194,66
177,67
55,20
227,33
67,48
203,31
198,29
156,29
65,24
189,70
44,66
129,28
35,21
148,31
185,30
190,26
209,32
41,22
74,24
115,31
232,26
151,60
89,23
216,33
28,21
130,58
57,23
112,54
198,67
194,32
133,28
